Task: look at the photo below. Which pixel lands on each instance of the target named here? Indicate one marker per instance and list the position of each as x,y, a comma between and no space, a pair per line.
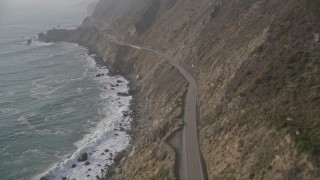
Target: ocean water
53,107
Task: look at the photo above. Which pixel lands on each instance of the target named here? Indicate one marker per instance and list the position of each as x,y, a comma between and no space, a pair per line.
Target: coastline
123,127
137,111
156,107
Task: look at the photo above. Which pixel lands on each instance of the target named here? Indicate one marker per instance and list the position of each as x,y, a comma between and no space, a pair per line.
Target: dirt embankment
257,66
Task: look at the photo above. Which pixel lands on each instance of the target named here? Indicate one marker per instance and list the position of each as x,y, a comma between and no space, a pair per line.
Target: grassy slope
283,78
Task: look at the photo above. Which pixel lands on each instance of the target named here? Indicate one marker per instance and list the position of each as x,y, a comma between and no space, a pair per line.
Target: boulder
118,171
74,165
122,94
87,163
99,75
125,115
83,157
131,92
44,178
107,150
119,81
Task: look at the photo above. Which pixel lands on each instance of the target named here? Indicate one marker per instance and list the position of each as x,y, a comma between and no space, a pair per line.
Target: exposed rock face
91,8
83,157
255,63
215,12
316,37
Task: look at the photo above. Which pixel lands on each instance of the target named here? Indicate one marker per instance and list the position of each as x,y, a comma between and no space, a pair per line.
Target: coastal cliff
256,63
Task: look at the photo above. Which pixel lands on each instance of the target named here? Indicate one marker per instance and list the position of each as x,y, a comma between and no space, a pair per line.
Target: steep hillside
256,63
110,13
257,67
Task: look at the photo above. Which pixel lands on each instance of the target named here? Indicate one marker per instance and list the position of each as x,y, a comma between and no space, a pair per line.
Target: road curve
191,158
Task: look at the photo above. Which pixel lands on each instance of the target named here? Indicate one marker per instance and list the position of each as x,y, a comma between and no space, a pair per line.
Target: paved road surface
191,160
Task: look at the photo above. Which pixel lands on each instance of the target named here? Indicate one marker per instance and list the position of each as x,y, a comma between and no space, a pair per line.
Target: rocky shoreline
138,112
117,157
111,171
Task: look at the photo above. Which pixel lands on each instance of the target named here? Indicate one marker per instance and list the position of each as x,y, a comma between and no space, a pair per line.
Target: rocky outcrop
42,37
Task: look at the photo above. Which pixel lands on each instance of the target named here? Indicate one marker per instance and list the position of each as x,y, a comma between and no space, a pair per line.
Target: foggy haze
44,4
31,8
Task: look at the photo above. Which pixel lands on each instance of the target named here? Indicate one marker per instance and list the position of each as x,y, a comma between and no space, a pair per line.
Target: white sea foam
24,119
37,43
105,140
40,91
9,110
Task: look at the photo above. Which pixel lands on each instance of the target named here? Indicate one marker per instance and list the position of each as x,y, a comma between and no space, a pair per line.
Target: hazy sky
45,3
22,8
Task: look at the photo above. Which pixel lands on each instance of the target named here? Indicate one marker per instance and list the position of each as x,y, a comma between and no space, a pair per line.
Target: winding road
191,158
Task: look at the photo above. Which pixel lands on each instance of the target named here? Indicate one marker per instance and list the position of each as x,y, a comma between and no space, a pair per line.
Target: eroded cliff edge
256,63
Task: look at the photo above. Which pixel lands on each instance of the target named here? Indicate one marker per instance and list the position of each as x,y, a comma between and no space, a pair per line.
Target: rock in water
122,94
42,37
83,157
100,75
74,165
29,41
43,178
